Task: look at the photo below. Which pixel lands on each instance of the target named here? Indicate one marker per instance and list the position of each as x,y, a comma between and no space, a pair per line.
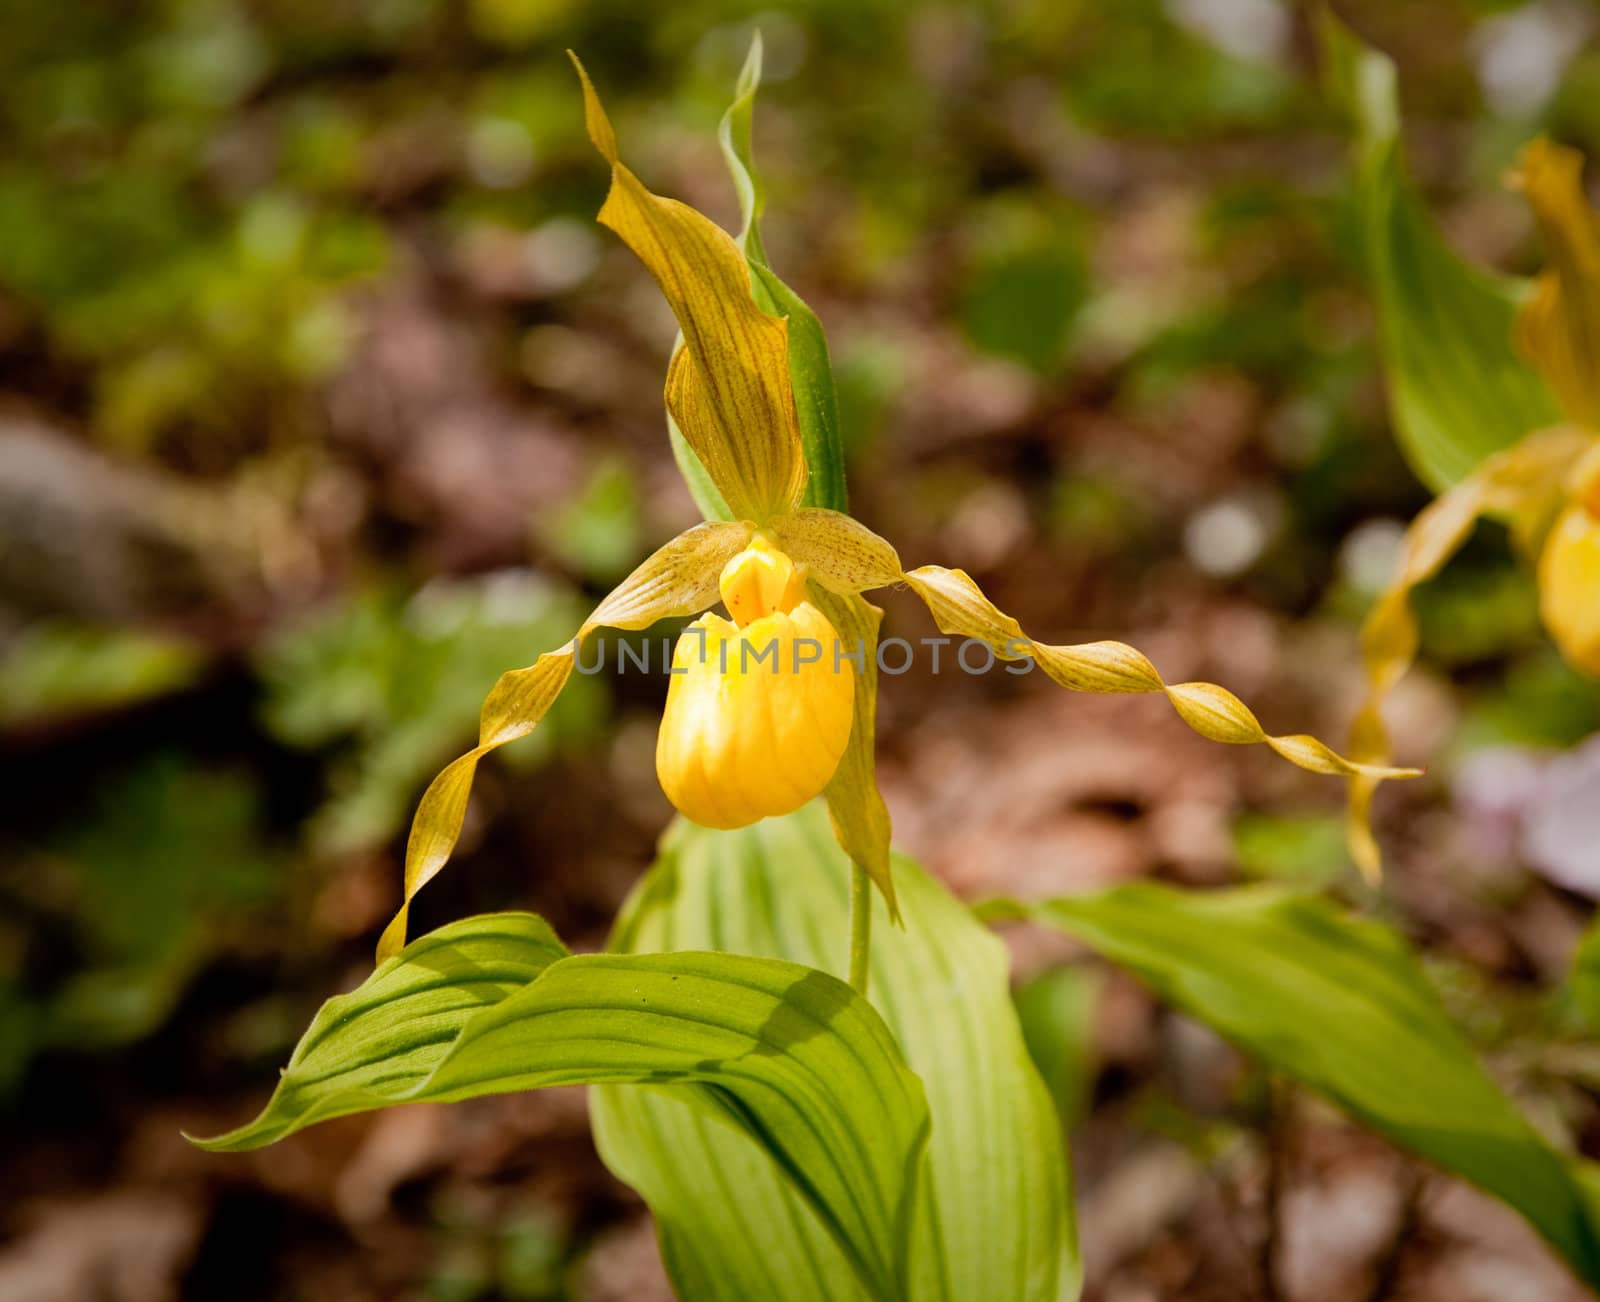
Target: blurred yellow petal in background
1569,587
1559,327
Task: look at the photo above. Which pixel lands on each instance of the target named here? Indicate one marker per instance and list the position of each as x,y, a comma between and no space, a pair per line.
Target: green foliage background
322,401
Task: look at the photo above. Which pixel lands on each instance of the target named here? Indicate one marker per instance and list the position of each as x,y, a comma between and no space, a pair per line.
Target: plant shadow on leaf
792,1058
994,1217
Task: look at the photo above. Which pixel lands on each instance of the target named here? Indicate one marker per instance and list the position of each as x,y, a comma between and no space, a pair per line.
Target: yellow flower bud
1569,587
758,711
758,581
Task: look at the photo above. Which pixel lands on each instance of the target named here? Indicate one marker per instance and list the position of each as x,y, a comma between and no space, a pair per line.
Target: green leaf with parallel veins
379,1044
1341,1005
1458,390
788,1057
994,1217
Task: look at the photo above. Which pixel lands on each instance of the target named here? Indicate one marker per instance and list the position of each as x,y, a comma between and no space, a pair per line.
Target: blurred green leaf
1478,612
397,684
598,532
1457,388
532,1251
995,1218
789,1057
1022,305
1027,280
154,873
1340,1005
1583,982
1132,69
1057,1012
56,667
516,23
110,1005
1095,514
18,1037
184,315
870,376
1540,700
153,853
211,57
1298,850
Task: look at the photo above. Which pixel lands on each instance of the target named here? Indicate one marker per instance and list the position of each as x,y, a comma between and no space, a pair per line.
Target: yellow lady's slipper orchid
1547,486
740,742
1569,587
759,710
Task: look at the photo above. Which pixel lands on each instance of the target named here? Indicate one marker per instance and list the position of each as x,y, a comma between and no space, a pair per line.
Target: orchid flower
740,741
1547,485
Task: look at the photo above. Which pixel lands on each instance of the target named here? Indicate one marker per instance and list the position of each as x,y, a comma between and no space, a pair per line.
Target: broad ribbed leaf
788,1057
1458,389
1341,1005
995,1217
373,1046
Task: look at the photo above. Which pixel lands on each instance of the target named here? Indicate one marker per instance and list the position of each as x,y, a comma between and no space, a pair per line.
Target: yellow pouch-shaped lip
1569,587
756,718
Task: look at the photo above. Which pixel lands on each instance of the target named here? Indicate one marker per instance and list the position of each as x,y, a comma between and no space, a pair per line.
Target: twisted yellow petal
728,387
1559,327
1520,482
960,608
842,557
678,579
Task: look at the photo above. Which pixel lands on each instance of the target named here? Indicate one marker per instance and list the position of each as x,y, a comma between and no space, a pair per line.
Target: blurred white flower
1561,825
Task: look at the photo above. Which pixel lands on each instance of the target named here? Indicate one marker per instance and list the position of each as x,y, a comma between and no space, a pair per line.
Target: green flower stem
860,927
